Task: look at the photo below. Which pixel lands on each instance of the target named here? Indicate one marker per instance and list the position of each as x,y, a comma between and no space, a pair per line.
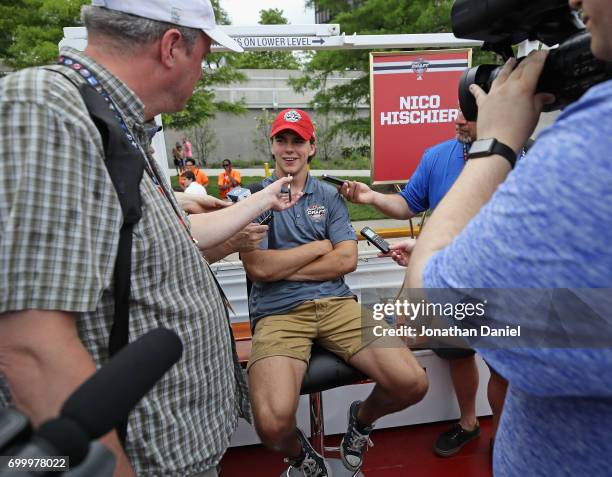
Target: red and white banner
413,106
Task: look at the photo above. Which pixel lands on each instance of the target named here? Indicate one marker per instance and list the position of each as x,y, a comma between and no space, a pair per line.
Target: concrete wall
265,89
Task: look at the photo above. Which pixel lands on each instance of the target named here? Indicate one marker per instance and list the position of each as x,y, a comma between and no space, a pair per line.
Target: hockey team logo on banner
413,107
420,67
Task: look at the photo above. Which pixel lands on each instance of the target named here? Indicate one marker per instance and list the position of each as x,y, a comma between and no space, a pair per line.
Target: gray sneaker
312,465
355,442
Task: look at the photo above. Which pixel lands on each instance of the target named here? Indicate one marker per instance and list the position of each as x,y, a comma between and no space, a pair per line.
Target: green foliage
202,106
272,16
261,138
30,30
204,141
367,17
354,162
274,60
479,57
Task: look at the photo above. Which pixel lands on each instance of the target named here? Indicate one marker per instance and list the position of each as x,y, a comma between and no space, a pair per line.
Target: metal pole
317,428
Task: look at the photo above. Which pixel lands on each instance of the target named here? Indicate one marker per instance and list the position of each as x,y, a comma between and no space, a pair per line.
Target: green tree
261,134
366,17
203,105
275,60
30,30
204,139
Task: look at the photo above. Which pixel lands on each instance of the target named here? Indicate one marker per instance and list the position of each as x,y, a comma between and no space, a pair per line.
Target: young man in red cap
57,288
298,296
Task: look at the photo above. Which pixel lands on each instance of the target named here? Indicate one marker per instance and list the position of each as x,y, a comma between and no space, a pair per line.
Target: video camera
570,69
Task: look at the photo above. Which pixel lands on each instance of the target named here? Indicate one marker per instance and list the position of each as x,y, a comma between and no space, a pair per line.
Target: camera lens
570,70
483,76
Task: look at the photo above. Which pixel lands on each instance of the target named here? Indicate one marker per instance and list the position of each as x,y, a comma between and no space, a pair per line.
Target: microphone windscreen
255,187
14,427
104,401
66,437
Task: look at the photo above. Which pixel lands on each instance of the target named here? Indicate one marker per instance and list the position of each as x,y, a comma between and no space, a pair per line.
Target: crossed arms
315,261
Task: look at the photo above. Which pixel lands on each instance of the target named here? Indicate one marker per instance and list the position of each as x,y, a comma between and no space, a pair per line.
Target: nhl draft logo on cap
292,116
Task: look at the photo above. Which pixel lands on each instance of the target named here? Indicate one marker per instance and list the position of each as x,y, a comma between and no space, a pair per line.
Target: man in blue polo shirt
439,168
298,296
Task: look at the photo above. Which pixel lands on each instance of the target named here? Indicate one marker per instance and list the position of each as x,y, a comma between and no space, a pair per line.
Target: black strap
125,166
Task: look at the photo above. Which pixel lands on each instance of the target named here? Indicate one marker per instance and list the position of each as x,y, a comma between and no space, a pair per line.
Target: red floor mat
398,452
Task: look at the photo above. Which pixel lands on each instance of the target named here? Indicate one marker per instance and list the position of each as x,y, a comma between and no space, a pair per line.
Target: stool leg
317,429
317,438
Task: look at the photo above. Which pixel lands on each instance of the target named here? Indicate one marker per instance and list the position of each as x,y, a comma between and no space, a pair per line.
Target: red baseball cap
295,120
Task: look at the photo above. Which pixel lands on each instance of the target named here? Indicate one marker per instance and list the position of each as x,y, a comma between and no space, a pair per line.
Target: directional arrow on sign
267,43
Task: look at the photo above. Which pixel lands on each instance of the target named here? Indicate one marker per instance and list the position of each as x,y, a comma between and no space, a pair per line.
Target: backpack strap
125,166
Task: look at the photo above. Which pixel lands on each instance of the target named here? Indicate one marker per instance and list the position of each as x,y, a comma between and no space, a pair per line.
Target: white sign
279,41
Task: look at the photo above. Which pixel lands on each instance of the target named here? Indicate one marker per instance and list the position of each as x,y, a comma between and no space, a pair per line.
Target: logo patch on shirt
316,212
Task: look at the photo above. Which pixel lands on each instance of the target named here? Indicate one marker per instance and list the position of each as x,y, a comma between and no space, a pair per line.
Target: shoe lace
357,441
309,467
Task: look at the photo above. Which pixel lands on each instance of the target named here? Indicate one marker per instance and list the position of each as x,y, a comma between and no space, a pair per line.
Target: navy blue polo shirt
320,214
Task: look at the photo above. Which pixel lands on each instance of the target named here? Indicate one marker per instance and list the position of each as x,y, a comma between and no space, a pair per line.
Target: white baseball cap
188,13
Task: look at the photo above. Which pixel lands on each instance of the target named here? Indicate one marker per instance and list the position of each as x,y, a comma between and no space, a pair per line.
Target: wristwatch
489,147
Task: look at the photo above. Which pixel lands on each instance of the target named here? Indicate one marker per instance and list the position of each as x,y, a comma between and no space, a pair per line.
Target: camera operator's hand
510,112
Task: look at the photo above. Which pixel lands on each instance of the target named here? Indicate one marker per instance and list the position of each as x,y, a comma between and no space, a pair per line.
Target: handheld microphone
103,401
14,428
97,406
57,445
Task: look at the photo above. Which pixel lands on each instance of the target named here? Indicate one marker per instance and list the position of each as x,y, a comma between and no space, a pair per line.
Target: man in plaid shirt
58,244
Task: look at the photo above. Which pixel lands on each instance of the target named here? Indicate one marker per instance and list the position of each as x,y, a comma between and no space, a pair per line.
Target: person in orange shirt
200,175
228,179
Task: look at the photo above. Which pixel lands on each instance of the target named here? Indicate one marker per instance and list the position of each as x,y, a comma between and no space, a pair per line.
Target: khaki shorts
335,323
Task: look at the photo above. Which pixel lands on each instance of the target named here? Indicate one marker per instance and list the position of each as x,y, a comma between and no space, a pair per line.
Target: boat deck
397,452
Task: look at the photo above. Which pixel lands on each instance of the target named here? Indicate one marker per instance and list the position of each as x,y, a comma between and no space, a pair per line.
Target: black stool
326,371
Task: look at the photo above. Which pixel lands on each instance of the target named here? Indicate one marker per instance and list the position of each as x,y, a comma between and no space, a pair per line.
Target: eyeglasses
226,165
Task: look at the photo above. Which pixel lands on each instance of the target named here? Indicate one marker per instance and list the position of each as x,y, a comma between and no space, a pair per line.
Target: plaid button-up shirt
59,232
